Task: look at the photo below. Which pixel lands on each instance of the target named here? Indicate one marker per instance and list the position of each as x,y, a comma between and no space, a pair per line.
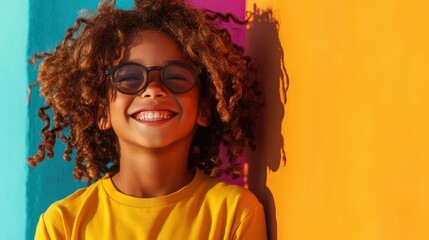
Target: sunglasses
131,78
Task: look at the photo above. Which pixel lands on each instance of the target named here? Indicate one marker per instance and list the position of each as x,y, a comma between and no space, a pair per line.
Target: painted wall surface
355,130
354,127
13,120
236,7
52,179
238,36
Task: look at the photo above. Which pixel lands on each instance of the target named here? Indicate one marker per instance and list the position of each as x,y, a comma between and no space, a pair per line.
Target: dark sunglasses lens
179,77
129,78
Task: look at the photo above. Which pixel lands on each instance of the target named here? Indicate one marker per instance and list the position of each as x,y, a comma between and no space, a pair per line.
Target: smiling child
148,95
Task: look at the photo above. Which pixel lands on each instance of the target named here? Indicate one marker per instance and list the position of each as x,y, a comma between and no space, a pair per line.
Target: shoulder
234,197
57,222
234,207
62,213
230,192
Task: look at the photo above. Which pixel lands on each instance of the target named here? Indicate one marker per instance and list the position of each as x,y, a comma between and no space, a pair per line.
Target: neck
153,172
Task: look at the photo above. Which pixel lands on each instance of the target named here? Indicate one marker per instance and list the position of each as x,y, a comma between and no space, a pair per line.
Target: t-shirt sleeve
253,225
41,231
50,226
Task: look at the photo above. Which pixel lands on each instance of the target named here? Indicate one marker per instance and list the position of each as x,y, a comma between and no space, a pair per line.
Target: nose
154,88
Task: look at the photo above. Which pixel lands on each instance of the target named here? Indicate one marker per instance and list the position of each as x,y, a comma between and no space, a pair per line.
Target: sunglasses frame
110,72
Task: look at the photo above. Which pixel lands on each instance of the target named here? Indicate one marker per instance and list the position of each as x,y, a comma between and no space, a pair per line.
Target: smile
152,116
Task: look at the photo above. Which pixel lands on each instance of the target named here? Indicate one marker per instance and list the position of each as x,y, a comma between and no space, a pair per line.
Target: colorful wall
342,142
51,180
355,129
13,120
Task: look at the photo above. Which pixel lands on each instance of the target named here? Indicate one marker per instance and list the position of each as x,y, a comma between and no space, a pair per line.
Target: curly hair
73,82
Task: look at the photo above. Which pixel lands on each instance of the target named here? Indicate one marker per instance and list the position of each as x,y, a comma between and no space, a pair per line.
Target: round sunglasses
131,77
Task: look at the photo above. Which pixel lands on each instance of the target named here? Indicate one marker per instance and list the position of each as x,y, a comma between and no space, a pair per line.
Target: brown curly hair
73,81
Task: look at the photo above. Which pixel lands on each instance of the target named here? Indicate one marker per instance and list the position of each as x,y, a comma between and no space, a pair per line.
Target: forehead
154,48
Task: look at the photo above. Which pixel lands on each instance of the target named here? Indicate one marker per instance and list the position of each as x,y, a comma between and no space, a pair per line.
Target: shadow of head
266,51
268,67
268,71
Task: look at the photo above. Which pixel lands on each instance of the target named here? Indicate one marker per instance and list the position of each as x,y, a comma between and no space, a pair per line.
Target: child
148,95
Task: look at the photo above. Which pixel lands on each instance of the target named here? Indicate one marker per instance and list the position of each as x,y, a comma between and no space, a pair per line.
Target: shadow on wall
264,46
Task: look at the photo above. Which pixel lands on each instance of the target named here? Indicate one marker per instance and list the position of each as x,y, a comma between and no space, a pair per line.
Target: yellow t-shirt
203,209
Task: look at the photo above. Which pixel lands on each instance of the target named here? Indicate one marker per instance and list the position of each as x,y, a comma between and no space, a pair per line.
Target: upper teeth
153,115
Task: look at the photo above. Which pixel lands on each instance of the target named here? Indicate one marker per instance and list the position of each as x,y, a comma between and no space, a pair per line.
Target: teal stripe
52,179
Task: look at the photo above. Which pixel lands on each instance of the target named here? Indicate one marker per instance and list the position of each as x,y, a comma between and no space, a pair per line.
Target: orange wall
356,124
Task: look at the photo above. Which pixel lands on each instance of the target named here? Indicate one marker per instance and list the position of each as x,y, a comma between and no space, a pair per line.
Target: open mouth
153,116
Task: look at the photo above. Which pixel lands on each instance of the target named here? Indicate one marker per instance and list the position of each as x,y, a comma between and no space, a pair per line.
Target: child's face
156,117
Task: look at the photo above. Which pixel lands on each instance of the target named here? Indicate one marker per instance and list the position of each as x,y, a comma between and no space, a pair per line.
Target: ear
104,123
204,114
103,118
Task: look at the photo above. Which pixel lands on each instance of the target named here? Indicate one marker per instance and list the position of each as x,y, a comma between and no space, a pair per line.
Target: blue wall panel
52,179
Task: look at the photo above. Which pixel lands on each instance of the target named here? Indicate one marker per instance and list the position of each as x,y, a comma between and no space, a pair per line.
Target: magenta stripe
238,35
236,7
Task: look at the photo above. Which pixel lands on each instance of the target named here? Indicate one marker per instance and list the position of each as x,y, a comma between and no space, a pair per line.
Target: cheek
119,105
192,101
189,105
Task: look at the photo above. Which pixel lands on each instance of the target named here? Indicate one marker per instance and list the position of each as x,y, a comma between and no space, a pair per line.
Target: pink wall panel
238,34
